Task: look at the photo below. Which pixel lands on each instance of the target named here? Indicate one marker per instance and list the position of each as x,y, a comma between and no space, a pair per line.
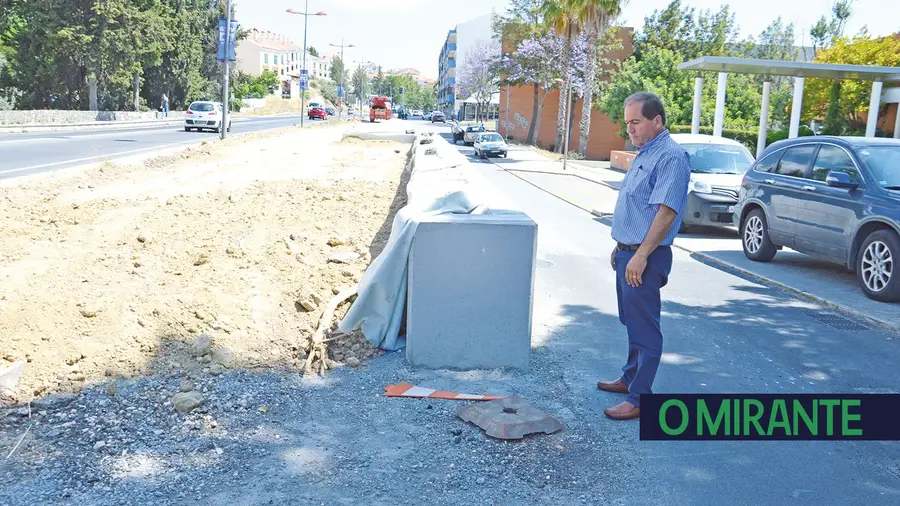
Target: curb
100,125
849,311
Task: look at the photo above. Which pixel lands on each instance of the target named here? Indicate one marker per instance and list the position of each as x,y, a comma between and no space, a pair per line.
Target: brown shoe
613,386
623,411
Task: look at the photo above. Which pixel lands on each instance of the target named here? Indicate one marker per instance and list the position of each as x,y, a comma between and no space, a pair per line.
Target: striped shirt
659,174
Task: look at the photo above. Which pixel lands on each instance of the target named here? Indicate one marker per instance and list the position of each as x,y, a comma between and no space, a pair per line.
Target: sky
410,33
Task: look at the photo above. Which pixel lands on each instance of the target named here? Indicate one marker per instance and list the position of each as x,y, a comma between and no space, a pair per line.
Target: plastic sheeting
378,309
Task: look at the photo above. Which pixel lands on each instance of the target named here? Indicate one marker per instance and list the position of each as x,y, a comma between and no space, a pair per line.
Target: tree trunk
563,95
137,92
587,106
534,115
92,92
536,123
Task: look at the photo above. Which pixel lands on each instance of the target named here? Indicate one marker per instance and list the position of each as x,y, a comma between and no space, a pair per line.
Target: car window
769,162
201,107
833,158
718,158
795,161
490,138
884,164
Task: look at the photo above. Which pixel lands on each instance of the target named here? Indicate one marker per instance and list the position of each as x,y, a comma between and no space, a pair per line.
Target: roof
847,141
703,139
272,44
792,68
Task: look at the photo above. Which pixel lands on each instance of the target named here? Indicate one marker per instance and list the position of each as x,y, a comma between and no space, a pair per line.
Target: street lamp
306,14
343,69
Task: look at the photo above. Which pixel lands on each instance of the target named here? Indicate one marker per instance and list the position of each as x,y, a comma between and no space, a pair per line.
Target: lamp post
305,15
343,69
226,95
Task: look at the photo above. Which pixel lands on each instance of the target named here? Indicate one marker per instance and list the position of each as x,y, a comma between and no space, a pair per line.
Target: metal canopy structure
791,68
725,65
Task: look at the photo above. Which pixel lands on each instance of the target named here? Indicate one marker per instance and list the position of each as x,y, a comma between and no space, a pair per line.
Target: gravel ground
283,439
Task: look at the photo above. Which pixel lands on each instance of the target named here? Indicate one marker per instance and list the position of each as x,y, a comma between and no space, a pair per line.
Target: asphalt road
723,334
30,153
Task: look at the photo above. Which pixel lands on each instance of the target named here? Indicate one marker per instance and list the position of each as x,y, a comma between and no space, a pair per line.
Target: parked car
317,112
330,111
203,115
490,143
438,116
471,134
837,198
717,167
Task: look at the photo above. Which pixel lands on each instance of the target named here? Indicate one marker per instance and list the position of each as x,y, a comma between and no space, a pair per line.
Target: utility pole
225,91
343,69
303,71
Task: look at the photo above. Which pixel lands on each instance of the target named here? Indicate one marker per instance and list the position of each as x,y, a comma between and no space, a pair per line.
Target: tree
378,82
537,60
261,86
312,52
360,84
852,96
594,18
479,76
339,73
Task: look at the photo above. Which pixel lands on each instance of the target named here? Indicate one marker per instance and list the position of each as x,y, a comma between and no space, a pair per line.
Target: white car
490,143
202,115
717,168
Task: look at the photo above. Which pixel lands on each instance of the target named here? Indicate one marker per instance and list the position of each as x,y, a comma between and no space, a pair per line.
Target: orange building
604,136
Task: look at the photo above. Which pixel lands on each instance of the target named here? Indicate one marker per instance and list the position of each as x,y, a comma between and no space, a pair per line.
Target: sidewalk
593,187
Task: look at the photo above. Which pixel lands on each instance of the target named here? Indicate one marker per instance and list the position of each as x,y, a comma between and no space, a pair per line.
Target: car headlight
699,187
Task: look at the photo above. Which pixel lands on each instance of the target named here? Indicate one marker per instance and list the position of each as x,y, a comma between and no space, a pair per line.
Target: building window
266,58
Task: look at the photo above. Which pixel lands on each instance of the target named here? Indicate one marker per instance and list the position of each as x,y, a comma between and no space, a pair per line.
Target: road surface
723,334
30,153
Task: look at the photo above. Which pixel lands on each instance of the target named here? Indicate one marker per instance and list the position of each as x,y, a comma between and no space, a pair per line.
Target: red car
317,112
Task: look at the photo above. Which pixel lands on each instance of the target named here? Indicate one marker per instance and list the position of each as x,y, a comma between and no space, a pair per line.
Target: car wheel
186,129
217,130
755,237
877,266
229,126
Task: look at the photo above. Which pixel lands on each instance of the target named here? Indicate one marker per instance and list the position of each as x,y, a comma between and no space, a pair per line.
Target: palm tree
558,16
573,17
595,18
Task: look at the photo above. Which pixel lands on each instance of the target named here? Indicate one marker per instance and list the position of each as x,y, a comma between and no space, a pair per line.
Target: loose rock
184,402
336,241
343,258
222,356
201,346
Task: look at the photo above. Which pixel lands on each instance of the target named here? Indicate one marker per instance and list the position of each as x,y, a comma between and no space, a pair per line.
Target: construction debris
509,418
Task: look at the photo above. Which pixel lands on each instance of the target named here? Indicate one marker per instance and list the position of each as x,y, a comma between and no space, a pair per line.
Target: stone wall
44,116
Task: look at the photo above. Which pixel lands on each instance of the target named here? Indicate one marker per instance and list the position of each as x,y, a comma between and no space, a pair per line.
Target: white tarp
441,183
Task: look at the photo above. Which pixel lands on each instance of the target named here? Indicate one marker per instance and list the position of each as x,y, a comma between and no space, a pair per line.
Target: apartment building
264,50
453,55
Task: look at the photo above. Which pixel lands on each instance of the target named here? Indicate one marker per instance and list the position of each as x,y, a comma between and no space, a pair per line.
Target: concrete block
470,292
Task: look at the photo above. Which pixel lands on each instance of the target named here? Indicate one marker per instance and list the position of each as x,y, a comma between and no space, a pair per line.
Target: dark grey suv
837,198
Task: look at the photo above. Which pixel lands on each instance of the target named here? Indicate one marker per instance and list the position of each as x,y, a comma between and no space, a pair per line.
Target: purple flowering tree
479,76
538,61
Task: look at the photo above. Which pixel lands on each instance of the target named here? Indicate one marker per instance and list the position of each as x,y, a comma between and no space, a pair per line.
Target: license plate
730,209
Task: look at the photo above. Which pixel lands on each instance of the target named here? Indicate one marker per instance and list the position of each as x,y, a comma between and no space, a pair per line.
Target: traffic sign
340,90
304,79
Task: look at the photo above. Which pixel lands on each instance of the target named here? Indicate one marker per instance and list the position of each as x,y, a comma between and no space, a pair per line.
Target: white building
268,51
456,49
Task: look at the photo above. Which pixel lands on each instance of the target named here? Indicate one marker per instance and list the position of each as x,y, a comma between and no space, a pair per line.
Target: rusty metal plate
509,418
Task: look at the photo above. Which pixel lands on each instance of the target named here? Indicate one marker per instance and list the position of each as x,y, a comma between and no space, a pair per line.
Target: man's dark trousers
639,310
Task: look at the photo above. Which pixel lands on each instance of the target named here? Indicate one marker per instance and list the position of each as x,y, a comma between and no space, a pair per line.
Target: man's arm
670,193
660,227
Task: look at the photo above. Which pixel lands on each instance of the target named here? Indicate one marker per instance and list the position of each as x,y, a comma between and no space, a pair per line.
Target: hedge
746,137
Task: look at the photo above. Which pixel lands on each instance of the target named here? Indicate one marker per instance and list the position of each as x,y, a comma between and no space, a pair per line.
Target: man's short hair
651,105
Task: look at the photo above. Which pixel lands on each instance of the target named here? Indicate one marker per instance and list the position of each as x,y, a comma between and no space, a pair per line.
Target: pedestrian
165,105
645,222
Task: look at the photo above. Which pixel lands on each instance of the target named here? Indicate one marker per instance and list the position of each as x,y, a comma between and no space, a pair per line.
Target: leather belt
627,247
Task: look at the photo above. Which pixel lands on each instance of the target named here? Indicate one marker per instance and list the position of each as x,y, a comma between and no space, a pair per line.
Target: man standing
646,220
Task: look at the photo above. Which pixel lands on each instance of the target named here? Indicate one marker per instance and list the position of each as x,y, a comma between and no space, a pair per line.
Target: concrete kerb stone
842,308
463,312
